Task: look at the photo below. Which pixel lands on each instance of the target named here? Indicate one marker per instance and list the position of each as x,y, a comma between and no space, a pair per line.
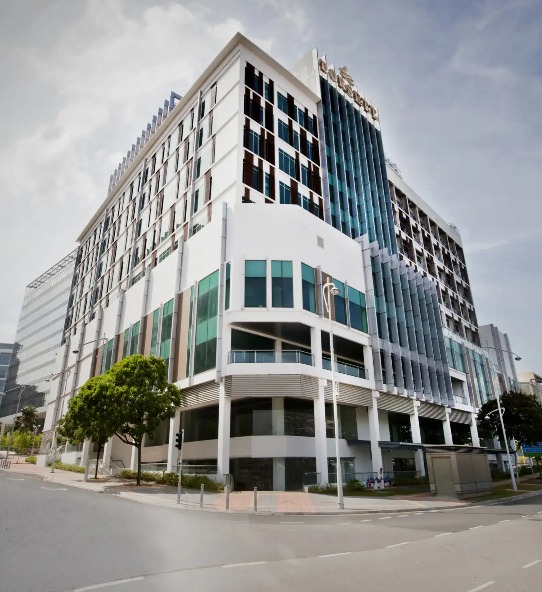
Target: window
283,131
286,163
282,103
154,334
298,417
165,335
251,417
134,340
200,424
284,191
107,355
308,285
196,200
200,137
268,94
267,185
198,168
282,284
206,323
227,295
255,177
126,343
348,426
357,309
253,140
340,303
255,284
304,175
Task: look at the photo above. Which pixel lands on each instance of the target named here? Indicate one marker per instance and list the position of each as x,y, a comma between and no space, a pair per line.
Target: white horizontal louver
395,403
350,395
202,393
460,416
432,411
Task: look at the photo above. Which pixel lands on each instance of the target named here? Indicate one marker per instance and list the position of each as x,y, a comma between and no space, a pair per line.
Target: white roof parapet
142,140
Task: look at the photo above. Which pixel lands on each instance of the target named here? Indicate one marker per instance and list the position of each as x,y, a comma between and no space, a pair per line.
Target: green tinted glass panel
255,268
154,334
134,342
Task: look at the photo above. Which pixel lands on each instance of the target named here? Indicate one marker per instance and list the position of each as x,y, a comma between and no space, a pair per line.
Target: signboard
533,450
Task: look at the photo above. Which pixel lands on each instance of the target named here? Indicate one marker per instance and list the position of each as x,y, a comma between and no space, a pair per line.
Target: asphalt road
59,539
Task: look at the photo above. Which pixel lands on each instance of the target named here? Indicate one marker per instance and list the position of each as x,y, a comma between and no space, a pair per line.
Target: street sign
533,450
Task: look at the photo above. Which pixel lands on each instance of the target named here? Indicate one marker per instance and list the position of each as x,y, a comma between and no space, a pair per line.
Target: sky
458,84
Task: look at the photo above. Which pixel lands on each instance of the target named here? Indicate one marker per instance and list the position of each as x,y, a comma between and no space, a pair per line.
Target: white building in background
40,332
220,228
497,345
531,384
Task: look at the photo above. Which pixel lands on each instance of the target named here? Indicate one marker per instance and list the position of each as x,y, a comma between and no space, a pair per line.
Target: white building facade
220,228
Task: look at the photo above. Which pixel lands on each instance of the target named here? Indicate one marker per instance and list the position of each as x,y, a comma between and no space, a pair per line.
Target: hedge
64,467
30,459
188,481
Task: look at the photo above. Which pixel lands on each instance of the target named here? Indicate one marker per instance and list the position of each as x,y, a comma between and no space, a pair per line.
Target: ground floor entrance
271,474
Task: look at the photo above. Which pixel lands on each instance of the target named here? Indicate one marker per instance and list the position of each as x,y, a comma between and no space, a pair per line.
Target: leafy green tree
522,418
28,419
89,415
140,399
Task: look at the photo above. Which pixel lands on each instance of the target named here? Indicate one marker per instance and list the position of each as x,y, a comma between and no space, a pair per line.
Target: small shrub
188,481
355,485
30,459
325,489
497,475
406,480
523,471
65,467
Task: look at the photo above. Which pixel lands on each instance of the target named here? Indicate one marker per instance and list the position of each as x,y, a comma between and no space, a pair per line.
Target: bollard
255,499
201,496
227,497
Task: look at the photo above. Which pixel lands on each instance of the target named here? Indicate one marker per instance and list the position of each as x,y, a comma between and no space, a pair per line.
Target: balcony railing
344,368
270,357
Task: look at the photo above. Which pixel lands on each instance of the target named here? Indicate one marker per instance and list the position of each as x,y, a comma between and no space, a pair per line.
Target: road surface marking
501,521
343,523
292,522
228,565
397,545
420,512
531,564
526,516
539,512
442,534
60,489
107,584
487,584
15,479
403,516
367,520
385,518
336,554
475,527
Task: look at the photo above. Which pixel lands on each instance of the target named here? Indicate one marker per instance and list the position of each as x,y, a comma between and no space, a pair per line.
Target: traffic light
179,441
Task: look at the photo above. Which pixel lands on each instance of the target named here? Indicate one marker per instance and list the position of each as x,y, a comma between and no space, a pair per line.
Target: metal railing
366,479
344,368
270,357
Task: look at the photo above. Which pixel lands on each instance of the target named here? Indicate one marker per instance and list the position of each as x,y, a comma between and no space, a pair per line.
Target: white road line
107,584
292,522
526,516
385,518
367,520
442,534
539,512
57,489
501,521
420,512
397,545
343,523
336,554
475,527
15,479
487,584
228,565
403,516
531,564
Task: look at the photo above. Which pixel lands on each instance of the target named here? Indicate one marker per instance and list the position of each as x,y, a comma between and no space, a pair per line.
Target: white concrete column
374,431
474,430
279,474
133,459
172,452
316,346
106,459
85,452
320,437
224,415
277,416
278,351
448,438
417,438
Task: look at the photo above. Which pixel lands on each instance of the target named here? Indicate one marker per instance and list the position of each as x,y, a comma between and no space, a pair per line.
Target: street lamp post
500,410
16,413
64,375
333,291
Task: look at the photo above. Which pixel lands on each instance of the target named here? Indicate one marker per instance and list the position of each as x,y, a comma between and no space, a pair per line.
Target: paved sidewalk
272,502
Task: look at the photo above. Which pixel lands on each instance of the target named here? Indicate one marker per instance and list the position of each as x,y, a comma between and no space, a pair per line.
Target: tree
140,399
522,418
89,415
28,419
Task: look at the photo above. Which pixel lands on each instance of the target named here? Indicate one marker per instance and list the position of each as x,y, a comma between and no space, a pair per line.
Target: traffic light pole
180,466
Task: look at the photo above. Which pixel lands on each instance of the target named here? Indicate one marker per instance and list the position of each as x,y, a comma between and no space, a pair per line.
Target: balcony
270,357
344,368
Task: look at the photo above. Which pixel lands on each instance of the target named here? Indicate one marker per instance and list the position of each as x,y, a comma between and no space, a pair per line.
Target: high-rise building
497,345
531,384
215,248
39,334
5,356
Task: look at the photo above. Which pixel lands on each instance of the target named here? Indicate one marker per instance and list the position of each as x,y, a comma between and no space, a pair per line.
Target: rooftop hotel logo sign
346,83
